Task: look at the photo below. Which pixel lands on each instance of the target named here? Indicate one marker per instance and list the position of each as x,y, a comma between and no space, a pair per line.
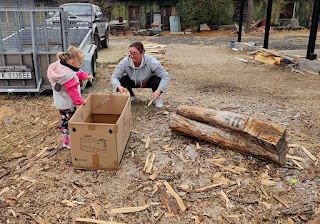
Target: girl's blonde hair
72,53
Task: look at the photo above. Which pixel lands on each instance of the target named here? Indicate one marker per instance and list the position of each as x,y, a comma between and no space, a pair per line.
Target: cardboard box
99,131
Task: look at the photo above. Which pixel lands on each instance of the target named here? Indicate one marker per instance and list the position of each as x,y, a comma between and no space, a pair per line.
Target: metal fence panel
29,42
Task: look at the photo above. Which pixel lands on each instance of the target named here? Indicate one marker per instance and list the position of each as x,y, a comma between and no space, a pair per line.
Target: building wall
146,10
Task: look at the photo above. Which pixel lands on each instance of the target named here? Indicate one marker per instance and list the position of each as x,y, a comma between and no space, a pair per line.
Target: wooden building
140,14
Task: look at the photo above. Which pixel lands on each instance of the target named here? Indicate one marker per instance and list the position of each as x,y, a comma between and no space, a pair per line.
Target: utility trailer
29,44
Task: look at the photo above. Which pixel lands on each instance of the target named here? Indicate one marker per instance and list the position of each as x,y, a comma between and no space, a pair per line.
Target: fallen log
234,131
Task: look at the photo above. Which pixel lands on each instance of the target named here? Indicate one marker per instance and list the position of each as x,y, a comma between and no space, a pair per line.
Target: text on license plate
15,75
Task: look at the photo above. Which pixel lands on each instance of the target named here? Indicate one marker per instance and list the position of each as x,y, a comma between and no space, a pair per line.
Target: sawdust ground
35,189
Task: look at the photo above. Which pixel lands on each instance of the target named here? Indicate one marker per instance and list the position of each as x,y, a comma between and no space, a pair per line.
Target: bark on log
234,131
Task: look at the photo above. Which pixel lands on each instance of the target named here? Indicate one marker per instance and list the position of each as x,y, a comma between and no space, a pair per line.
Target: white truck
29,43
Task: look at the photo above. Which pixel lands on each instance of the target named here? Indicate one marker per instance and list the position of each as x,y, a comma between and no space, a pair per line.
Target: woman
140,70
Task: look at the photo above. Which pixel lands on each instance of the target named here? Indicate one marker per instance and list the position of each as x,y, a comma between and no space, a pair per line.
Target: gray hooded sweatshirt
150,66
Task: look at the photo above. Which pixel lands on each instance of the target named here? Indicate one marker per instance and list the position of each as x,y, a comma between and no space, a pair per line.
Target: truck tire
94,64
105,41
96,39
93,69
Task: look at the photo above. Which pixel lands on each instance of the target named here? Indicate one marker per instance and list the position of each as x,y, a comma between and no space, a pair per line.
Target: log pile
234,131
154,49
271,57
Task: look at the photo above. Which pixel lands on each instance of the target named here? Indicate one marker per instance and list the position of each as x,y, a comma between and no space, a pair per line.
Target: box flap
108,104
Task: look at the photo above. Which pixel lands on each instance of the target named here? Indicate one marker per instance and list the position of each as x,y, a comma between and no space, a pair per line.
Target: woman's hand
156,94
122,90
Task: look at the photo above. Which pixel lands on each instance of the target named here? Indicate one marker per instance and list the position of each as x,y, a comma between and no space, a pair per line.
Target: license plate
15,75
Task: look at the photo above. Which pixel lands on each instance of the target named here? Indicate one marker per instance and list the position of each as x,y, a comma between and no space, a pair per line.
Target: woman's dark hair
138,45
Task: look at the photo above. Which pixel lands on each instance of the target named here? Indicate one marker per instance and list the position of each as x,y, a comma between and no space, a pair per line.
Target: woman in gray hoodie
140,70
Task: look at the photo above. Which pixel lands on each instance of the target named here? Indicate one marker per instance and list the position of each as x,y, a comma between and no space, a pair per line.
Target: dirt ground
38,187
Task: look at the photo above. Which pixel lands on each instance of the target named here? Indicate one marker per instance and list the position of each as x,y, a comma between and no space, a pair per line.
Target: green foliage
304,9
212,12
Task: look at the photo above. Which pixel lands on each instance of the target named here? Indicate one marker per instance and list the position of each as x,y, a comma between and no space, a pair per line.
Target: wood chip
295,158
235,216
165,199
108,205
241,59
267,205
175,195
13,213
281,200
265,180
156,173
150,102
42,152
208,187
131,209
28,179
291,151
233,169
135,131
227,200
159,217
96,209
149,162
147,142
196,219
308,153
298,164
20,194
4,138
4,190
198,146
53,124
219,179
264,191
34,219
68,203
96,221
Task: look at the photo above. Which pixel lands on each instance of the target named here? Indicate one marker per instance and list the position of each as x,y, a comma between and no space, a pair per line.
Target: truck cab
86,15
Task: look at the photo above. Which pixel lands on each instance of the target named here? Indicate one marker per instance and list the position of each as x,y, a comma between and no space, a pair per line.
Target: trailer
29,44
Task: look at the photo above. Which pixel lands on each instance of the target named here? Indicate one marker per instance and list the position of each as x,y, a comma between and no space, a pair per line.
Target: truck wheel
105,42
96,40
93,69
94,64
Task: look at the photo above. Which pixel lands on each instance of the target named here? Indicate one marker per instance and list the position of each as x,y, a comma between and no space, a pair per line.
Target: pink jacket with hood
68,77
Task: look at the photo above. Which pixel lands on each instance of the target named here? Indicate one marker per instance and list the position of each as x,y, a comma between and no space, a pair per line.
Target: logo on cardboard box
90,144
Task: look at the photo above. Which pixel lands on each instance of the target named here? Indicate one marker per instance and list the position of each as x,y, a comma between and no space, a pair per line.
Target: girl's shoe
66,141
66,146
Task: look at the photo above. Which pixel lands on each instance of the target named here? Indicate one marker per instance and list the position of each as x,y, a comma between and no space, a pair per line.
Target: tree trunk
231,130
249,16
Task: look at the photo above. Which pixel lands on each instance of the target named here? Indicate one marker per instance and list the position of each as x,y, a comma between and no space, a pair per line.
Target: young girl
64,76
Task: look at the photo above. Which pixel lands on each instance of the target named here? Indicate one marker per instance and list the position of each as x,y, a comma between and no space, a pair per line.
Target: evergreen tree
212,12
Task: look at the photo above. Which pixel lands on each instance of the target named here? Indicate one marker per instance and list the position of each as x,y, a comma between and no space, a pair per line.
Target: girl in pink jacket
64,76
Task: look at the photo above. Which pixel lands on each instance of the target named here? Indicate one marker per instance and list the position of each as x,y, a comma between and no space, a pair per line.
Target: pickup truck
86,15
